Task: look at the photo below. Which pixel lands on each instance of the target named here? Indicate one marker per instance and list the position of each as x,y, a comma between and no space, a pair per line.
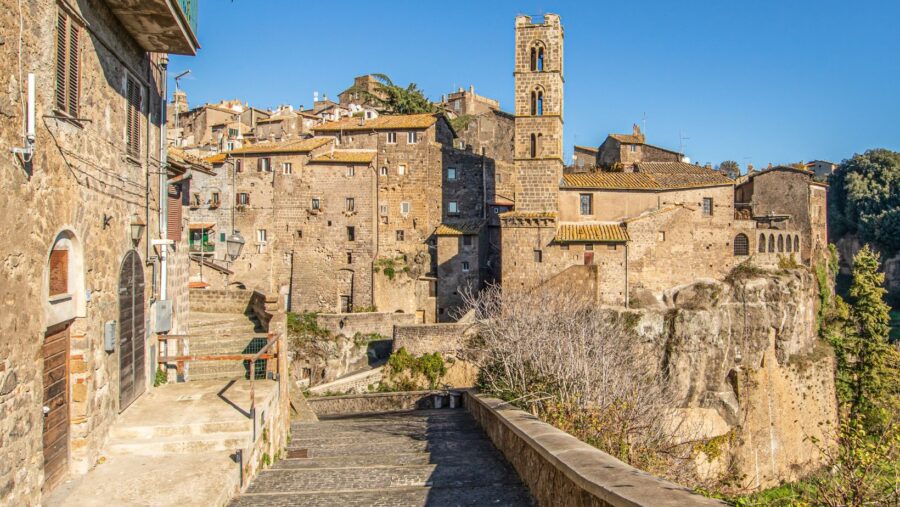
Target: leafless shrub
583,369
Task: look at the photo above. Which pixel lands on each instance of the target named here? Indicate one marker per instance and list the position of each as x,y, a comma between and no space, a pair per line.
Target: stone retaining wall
220,301
348,324
420,339
559,469
371,403
358,383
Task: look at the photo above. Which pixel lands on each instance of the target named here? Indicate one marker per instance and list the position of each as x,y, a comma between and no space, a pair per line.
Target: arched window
533,146
788,246
533,59
741,245
796,243
762,243
540,103
540,60
771,243
533,103
780,243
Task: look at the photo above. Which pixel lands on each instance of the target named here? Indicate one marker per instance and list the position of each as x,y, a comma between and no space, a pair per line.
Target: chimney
472,89
749,168
315,97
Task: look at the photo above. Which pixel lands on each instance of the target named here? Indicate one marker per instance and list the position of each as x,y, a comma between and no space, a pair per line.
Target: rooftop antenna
178,130
644,124
681,139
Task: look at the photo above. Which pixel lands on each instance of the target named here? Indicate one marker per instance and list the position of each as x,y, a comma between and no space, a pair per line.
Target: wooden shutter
133,117
61,59
59,272
74,42
174,213
259,165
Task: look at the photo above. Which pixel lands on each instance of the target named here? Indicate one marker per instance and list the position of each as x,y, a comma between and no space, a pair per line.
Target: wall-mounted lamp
137,228
234,244
106,220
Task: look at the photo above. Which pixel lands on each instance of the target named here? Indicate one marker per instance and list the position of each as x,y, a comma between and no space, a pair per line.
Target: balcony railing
202,247
189,8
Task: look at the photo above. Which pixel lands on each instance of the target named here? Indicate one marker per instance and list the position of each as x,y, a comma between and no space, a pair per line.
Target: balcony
162,26
203,248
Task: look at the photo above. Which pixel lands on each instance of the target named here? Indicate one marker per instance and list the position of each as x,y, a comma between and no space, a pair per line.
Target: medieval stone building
621,152
91,238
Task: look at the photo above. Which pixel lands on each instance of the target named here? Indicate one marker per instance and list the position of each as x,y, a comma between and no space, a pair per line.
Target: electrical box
163,315
109,336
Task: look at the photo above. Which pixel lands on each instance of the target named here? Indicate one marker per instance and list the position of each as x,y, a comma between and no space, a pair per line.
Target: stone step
356,431
396,459
498,496
120,432
443,447
323,440
343,479
182,444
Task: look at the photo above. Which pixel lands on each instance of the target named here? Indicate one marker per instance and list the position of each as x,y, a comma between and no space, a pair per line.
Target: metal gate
131,330
56,406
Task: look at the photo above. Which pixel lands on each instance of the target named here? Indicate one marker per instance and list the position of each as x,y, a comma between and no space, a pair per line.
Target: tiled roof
218,158
458,228
645,181
628,138
293,146
528,214
587,148
407,121
670,168
355,157
591,233
178,155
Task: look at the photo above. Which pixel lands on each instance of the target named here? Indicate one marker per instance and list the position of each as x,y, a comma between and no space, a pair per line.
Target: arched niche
63,290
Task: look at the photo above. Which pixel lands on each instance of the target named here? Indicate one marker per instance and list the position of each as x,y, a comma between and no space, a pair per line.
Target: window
399,234
771,243
452,207
741,245
173,217
533,59
195,200
780,243
540,60
351,233
401,169
264,164
351,170
587,204
299,233
412,137
59,272
243,199
611,247
661,236
68,75
230,146
465,266
539,111
350,204
222,237
232,132
451,174
496,210
133,117
383,209
287,168
392,138
762,243
538,256
796,243
789,245
467,240
533,151
404,207
316,203
632,148
707,206
238,165
383,171
589,247
260,235
349,257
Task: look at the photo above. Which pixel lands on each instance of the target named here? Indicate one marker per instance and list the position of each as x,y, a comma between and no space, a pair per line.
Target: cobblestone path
423,457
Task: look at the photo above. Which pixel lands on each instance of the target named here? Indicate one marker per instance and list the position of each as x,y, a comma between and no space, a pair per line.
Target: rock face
745,365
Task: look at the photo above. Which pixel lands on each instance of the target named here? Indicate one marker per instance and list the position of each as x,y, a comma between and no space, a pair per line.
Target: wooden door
131,330
588,258
56,405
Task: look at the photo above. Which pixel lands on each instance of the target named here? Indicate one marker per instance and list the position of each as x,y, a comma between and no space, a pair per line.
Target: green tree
864,199
391,99
730,168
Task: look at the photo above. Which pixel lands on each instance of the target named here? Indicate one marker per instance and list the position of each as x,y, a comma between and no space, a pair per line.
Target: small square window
632,148
401,169
349,257
383,171
243,199
392,138
588,247
300,233
412,137
707,206
538,256
238,165
587,204
264,164
221,236
451,174
316,203
467,240
611,247
465,266
287,168
662,236
351,233
399,235
404,208
260,235
351,170
452,207
350,204
383,209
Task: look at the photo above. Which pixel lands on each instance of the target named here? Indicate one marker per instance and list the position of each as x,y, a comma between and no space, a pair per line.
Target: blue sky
754,81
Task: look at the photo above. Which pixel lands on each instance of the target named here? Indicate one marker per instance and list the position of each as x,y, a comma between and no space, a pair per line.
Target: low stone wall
357,383
371,403
559,469
420,339
348,324
220,301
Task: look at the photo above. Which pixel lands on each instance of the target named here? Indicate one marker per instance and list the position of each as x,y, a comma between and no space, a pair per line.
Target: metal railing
202,247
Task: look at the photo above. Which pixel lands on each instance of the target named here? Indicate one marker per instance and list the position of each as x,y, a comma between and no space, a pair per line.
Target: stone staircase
223,333
423,457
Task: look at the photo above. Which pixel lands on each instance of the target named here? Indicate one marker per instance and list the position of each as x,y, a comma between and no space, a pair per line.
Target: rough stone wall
79,175
454,278
616,205
220,301
447,338
784,192
203,186
368,322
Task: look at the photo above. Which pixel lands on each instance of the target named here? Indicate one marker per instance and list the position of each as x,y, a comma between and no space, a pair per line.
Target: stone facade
66,231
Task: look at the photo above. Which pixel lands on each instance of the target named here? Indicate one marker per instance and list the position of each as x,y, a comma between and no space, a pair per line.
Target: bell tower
539,109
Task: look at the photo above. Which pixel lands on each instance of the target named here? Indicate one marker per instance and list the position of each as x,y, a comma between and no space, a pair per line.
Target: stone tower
539,110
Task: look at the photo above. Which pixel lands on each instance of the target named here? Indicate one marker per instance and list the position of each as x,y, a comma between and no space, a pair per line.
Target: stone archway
132,373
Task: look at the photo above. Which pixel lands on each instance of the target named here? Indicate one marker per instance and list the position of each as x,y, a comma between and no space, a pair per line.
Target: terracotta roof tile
218,158
628,138
293,146
587,148
591,233
655,181
408,121
671,168
459,228
356,157
178,155
528,214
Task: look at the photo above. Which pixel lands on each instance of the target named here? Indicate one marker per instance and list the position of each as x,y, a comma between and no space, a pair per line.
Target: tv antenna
681,139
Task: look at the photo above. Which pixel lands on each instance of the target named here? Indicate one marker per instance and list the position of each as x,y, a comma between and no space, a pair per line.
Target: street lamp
234,244
177,131
137,228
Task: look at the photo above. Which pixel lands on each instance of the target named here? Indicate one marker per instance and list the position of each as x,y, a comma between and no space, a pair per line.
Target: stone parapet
559,469
430,338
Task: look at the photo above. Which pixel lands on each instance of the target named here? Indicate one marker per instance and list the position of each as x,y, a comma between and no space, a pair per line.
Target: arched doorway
131,330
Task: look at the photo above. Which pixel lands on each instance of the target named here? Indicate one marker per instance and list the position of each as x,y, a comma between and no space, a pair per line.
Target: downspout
626,274
163,188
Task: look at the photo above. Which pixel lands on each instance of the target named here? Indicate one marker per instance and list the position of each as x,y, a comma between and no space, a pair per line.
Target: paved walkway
427,457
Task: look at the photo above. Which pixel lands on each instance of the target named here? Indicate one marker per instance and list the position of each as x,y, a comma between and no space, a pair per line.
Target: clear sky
754,81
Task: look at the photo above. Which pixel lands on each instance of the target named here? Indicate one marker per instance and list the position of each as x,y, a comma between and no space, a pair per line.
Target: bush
405,371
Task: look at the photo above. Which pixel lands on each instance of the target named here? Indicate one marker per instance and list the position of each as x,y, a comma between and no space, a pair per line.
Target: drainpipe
626,274
163,187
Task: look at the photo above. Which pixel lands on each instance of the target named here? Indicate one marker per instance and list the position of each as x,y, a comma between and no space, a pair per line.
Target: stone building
618,228
91,240
284,124
822,168
466,102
